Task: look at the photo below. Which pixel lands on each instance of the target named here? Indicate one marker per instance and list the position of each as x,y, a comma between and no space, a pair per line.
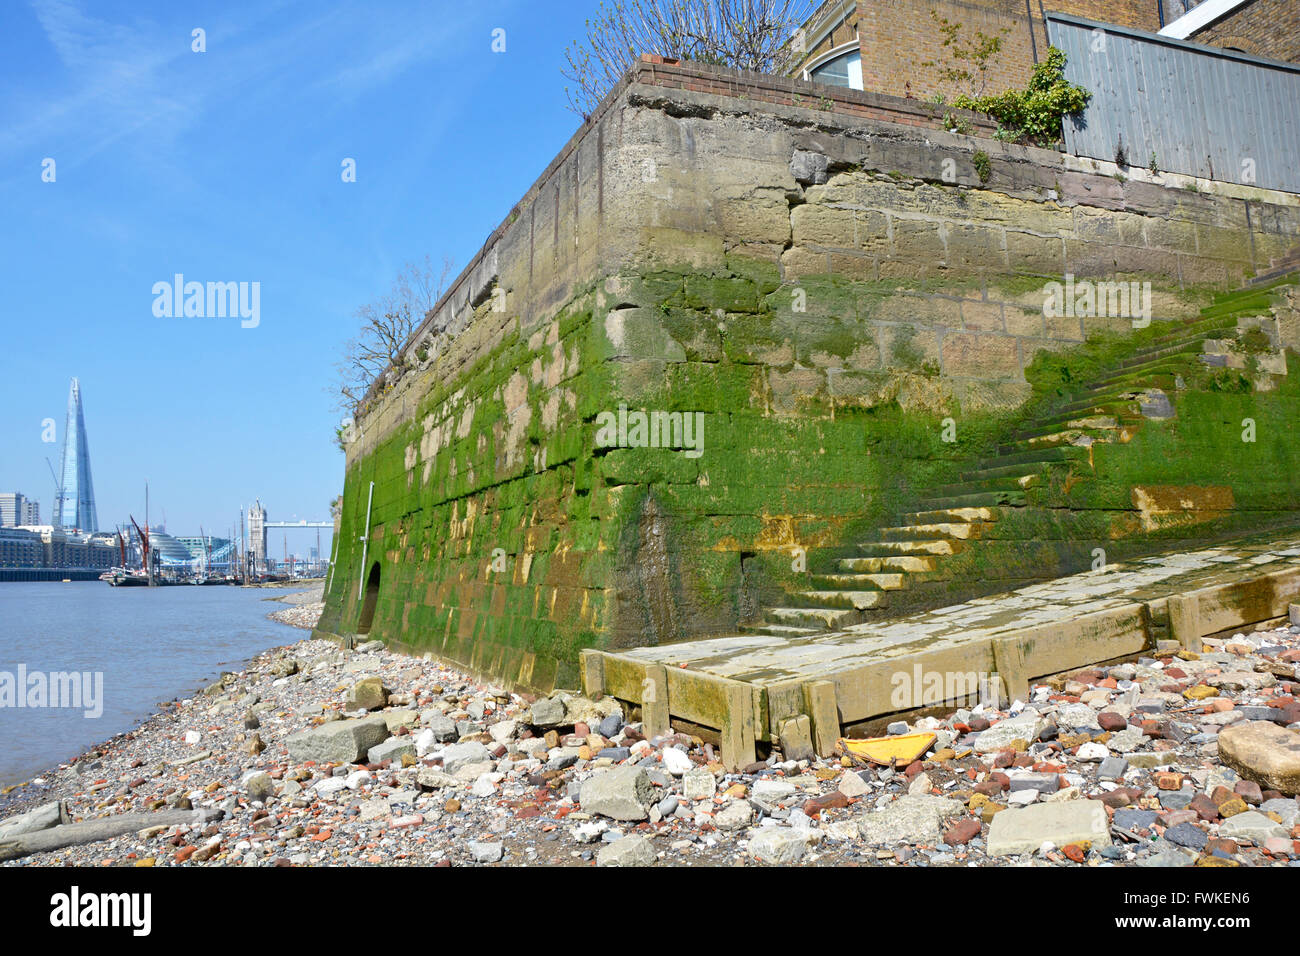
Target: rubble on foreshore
317,755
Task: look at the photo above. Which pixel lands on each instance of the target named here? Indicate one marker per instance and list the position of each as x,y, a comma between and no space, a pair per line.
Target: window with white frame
842,68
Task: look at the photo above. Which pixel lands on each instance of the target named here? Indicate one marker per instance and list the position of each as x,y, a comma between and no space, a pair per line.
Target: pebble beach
313,755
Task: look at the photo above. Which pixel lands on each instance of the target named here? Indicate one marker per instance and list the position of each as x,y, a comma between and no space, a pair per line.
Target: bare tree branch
386,327
745,34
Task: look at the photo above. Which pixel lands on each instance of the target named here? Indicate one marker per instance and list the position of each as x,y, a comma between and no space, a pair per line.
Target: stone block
339,741
1025,830
981,355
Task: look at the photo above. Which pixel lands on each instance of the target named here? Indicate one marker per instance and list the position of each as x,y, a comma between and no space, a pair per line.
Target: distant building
168,551
20,548
17,509
71,550
200,546
74,506
257,536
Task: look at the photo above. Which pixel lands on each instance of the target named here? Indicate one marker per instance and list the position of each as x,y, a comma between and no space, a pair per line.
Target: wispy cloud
137,79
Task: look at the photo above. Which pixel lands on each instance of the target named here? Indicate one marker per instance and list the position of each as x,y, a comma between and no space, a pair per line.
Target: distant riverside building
199,546
17,509
20,548
74,506
45,546
169,549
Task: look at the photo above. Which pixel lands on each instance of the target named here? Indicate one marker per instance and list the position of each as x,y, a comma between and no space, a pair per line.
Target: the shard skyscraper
74,506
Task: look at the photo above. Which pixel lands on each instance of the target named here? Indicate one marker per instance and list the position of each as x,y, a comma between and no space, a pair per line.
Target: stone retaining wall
823,289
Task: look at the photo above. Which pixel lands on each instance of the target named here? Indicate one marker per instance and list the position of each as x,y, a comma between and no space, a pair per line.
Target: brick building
896,46
1267,28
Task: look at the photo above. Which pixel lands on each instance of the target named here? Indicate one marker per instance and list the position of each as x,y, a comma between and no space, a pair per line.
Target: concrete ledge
754,688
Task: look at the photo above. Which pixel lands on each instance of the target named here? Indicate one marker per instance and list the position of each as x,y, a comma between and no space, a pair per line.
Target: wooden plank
623,677
1013,679
796,739
738,727
784,700
593,673
824,715
1238,603
910,681
700,697
1185,620
1065,645
654,701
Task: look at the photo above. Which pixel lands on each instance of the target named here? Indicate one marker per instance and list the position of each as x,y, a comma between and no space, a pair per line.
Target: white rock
589,832
734,816
1092,752
852,785
778,845
676,762
424,742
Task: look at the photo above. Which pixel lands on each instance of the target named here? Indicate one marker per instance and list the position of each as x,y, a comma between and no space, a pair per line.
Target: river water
137,646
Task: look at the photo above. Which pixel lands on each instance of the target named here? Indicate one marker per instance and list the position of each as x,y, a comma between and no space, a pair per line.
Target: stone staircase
1277,269
1054,444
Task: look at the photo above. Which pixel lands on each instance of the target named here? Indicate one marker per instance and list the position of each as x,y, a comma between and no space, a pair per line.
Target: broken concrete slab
1024,831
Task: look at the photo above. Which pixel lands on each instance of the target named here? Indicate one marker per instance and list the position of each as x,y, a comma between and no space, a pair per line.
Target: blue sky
225,166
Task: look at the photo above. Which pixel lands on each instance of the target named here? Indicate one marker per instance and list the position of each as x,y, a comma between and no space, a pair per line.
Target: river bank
122,651
314,755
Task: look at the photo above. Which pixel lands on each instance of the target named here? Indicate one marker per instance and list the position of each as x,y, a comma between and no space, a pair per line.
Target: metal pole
365,542
330,582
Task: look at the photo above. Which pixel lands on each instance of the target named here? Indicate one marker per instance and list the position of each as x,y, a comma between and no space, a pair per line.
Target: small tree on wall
745,34
1037,113
971,58
385,327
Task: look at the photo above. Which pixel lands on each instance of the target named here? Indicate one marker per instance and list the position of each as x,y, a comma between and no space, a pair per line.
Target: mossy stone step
1282,273
1068,438
890,581
949,514
824,617
818,600
1242,302
901,563
888,549
1165,381
950,530
781,630
1014,471
1171,366
1034,456
1183,346
960,488
983,499
1081,424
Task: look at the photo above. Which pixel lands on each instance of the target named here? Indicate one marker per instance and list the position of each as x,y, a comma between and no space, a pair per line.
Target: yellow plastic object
889,751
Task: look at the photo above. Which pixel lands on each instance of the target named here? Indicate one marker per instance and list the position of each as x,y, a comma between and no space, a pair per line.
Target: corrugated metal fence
1198,110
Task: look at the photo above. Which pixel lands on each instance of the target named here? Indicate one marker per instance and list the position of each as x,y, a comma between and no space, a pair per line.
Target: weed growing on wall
1036,113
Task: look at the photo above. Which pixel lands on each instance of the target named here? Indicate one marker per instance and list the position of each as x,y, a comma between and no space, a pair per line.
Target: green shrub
1036,113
